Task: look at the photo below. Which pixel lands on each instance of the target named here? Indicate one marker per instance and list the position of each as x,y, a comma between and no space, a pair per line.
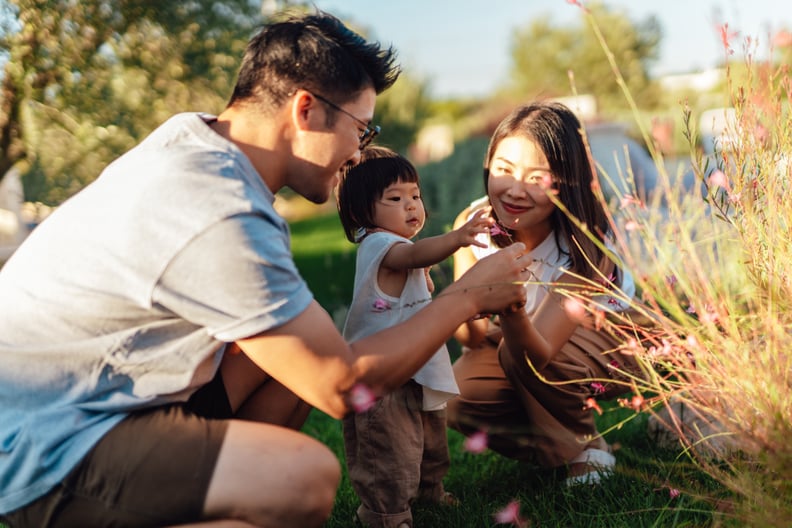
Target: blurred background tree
543,54
84,81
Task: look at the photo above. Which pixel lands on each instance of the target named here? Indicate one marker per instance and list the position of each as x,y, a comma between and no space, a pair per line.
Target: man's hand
495,282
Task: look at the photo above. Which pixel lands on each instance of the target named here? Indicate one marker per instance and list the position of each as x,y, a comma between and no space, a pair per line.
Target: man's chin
319,200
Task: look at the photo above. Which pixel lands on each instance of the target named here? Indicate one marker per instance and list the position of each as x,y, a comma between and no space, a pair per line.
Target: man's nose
355,159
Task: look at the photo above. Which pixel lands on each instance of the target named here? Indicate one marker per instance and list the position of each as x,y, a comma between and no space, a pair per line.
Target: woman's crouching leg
487,403
556,396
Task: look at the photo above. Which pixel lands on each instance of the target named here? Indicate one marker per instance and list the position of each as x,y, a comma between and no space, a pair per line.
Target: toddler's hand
480,222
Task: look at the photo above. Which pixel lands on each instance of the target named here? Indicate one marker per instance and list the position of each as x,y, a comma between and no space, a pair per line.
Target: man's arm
310,357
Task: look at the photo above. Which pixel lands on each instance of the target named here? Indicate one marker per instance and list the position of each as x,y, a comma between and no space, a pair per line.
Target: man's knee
272,476
313,482
317,483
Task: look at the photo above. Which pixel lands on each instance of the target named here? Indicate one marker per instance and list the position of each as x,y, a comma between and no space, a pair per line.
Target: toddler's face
400,210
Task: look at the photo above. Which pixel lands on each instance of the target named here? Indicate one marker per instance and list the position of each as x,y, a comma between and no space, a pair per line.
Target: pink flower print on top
381,305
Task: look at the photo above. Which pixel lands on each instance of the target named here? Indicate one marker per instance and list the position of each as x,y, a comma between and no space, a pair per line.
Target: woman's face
519,180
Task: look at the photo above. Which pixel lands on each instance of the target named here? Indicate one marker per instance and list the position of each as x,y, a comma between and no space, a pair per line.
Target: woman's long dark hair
558,133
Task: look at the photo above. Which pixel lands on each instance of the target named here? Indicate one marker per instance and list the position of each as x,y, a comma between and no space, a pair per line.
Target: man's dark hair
315,52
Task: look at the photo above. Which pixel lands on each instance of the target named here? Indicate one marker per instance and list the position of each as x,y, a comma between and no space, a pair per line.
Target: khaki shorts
152,469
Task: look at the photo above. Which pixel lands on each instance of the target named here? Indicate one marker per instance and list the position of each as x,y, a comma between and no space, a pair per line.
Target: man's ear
303,110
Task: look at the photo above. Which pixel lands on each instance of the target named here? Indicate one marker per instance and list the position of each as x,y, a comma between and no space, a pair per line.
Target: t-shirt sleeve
237,279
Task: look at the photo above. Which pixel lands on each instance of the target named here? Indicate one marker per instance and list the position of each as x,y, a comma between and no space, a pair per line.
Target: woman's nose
518,188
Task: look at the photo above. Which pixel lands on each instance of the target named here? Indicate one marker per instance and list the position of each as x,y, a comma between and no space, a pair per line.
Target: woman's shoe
599,463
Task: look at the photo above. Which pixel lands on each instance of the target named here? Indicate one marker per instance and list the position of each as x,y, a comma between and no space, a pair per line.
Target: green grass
636,496
326,259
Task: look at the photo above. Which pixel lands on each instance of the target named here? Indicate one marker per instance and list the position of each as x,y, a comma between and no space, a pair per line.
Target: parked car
626,167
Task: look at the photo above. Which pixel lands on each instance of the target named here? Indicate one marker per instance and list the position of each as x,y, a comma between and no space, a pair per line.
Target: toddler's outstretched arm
433,250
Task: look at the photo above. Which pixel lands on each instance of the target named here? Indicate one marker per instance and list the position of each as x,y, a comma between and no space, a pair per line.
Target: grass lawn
638,495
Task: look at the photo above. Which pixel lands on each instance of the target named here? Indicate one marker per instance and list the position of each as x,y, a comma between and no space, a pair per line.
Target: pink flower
599,319
496,230
597,387
719,179
630,348
591,403
575,310
726,36
546,183
476,443
782,39
510,514
662,351
381,305
579,4
673,493
628,200
361,398
631,225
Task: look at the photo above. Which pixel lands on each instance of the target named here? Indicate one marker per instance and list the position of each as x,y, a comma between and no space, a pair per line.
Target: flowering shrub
714,268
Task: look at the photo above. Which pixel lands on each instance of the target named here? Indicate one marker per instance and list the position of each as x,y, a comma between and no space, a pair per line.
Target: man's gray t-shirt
125,297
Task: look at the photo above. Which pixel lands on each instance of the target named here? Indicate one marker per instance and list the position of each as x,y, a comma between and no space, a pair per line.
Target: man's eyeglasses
369,132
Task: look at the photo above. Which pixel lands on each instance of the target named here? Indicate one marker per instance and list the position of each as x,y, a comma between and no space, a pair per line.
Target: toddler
397,449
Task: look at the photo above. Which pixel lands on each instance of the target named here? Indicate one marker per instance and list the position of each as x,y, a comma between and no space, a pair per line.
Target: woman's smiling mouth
513,209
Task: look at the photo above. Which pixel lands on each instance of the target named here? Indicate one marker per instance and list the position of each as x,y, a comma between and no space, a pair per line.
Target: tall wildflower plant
713,266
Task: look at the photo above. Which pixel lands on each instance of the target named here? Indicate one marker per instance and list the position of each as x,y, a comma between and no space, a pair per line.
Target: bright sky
462,46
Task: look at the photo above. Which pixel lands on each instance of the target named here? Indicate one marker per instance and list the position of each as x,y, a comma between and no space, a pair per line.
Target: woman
526,376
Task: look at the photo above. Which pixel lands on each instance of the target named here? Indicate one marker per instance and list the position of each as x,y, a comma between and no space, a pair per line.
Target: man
158,347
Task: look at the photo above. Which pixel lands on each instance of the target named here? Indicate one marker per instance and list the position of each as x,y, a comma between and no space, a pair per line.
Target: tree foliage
543,55
85,80
401,112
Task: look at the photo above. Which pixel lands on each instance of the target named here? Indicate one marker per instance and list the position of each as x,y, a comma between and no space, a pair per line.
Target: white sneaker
601,464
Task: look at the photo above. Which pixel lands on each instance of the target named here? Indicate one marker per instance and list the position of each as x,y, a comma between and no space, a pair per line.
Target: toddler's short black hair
363,184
